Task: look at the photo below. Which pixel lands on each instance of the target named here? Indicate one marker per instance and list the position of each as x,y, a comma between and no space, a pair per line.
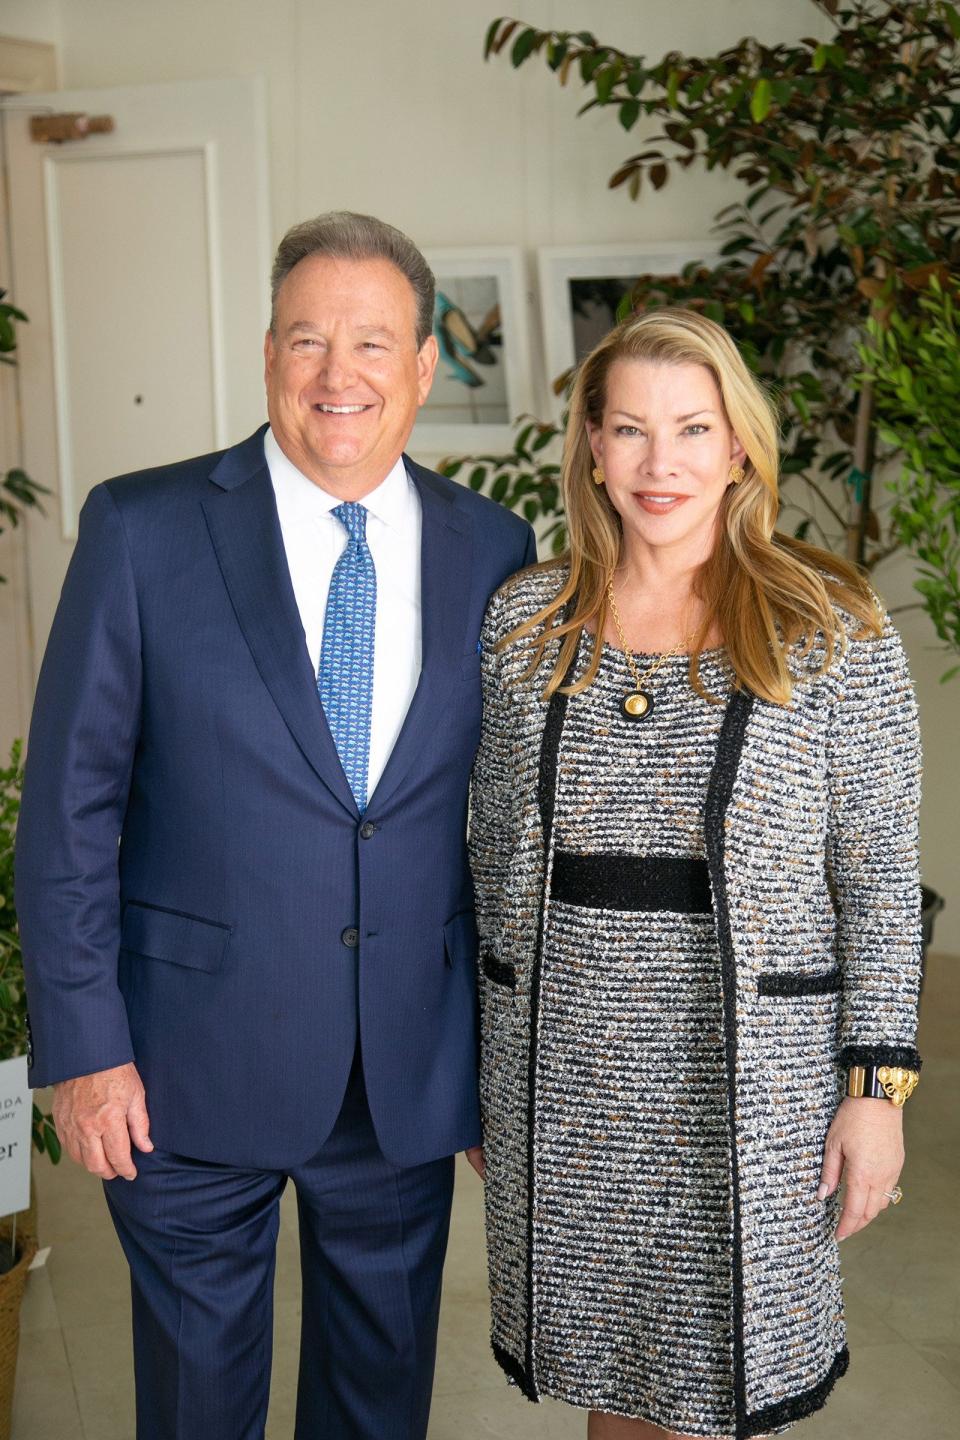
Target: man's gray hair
344,235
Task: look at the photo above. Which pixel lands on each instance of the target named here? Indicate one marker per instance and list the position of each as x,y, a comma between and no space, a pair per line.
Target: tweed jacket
811,840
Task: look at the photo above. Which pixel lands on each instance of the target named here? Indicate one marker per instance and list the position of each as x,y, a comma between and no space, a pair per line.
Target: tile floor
903,1300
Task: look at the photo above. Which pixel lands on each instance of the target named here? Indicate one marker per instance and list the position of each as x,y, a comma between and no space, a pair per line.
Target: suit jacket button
367,829
351,938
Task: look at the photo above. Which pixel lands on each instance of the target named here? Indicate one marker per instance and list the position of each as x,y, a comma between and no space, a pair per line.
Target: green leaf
556,53
673,89
629,113
761,100
952,17
477,476
604,82
491,35
522,47
499,488
819,57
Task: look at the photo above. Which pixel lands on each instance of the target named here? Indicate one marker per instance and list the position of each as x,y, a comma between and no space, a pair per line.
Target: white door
141,258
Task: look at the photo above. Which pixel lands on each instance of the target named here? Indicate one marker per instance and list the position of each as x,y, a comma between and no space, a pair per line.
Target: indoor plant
17,491
845,147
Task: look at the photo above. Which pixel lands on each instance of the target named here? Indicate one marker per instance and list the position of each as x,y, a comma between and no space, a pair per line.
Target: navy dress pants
201,1239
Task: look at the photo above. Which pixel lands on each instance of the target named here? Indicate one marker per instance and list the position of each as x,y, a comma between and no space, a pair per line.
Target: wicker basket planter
12,1286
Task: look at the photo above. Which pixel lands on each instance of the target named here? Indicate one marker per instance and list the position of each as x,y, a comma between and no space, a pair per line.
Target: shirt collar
389,502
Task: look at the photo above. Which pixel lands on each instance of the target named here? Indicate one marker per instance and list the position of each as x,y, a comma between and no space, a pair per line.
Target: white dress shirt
314,539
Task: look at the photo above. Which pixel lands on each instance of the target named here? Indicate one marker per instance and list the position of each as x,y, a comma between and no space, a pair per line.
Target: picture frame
580,286
483,381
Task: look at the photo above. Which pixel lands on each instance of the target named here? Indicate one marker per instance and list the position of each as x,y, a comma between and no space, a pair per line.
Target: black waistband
632,882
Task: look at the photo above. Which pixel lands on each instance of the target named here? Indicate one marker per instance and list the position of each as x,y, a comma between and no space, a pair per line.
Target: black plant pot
930,906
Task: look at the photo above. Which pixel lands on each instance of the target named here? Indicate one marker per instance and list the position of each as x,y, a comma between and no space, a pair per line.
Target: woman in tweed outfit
694,839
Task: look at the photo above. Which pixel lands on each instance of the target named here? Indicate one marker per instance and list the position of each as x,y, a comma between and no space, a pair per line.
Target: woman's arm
873,853
491,799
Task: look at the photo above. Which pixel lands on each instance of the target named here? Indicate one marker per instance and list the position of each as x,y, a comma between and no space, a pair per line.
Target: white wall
31,19
387,106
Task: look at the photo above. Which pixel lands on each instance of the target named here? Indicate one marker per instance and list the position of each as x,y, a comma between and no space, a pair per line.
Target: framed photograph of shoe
581,287
482,327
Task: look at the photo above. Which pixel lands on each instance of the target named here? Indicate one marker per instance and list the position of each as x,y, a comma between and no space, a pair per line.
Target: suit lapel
242,519
446,556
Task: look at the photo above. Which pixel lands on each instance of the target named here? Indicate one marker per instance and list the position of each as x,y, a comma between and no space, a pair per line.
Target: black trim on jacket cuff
906,1056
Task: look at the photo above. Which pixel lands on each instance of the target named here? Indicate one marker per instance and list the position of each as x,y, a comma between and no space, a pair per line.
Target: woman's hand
864,1145
475,1156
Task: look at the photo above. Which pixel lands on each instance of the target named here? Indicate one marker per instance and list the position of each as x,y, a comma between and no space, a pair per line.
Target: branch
827,503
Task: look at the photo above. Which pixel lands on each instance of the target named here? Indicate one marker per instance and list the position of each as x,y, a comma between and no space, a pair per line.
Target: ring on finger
895,1195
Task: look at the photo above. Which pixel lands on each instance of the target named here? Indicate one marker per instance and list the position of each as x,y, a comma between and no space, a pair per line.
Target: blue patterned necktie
345,678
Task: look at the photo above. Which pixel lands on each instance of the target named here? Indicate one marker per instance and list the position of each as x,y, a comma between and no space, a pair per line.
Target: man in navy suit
245,908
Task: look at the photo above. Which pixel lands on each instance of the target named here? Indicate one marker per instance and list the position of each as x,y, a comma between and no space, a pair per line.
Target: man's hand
475,1156
98,1115
865,1145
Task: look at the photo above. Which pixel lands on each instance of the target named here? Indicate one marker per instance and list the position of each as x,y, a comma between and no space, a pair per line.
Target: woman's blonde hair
764,591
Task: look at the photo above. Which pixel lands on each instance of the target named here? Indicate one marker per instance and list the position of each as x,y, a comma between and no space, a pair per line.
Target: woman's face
666,448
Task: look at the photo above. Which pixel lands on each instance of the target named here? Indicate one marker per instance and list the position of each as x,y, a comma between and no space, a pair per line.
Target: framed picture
483,381
581,287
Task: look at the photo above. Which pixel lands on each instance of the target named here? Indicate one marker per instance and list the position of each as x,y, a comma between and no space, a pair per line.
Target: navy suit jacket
195,888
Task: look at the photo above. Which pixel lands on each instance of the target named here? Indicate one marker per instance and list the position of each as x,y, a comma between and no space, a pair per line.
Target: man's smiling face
344,376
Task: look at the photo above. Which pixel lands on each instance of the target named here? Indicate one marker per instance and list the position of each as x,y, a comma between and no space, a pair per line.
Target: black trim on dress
800,982
607,881
729,748
546,797
798,1407
498,971
512,1369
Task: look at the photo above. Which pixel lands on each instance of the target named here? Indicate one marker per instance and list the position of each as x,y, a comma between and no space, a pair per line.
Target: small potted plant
18,493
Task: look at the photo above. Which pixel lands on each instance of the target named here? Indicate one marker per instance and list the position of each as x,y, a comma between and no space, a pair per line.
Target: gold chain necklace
639,704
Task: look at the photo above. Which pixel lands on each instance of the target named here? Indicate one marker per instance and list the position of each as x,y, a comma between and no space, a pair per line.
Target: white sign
16,1111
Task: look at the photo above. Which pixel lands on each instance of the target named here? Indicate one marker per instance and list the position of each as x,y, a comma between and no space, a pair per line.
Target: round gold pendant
637,706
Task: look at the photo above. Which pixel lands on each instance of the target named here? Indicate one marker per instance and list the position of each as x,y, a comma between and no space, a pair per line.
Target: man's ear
427,357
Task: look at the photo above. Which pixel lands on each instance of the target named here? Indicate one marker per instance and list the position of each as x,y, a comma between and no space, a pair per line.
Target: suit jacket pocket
160,934
460,939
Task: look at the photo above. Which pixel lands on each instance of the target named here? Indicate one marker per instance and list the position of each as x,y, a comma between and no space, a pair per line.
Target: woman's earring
598,476
737,473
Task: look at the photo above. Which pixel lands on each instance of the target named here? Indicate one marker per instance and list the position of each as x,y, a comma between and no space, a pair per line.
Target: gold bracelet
882,1082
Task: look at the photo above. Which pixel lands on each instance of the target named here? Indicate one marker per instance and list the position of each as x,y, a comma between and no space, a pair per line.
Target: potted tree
846,148
18,1239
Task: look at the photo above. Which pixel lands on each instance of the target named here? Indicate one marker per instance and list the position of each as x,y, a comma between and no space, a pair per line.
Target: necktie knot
353,517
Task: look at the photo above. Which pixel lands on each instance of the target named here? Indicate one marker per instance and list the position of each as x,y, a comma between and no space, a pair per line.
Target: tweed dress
663,1049
634,1150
